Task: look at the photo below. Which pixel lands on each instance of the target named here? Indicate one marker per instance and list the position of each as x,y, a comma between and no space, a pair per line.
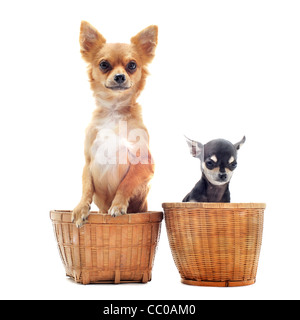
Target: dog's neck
214,193
117,109
114,105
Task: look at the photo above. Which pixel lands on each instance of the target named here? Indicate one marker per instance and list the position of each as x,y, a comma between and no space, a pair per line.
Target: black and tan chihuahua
218,160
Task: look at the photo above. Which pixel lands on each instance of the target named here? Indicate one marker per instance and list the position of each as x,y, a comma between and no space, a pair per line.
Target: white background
222,69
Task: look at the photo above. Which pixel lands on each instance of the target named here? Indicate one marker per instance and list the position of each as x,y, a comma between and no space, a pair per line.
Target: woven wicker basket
215,244
107,249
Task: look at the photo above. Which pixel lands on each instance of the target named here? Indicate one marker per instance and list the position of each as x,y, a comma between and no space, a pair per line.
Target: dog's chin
118,88
216,182
219,183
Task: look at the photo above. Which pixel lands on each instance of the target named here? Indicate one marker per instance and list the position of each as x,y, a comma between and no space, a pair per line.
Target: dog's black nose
223,176
120,78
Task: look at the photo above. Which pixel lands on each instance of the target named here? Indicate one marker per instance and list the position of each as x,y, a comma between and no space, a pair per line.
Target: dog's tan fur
122,187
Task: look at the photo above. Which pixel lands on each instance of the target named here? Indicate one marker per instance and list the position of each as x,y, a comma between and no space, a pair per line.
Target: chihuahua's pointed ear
239,144
196,148
145,42
90,40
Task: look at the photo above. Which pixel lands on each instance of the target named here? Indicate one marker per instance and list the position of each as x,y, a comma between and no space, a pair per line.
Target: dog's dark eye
104,65
131,66
232,165
210,164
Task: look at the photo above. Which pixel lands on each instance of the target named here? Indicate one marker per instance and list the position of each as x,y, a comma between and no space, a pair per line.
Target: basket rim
213,205
64,216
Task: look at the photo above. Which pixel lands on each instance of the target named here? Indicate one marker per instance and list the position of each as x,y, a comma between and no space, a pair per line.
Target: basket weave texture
107,249
215,244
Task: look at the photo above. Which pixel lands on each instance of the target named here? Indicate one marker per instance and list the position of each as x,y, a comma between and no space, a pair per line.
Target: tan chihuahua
118,164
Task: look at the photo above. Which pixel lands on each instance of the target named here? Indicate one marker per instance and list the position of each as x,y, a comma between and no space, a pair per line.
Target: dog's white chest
117,145
110,145
109,152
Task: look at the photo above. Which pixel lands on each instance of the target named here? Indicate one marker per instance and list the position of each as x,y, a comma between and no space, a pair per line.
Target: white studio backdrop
223,69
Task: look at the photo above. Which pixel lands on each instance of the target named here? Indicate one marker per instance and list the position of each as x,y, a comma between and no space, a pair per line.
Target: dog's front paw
80,214
117,210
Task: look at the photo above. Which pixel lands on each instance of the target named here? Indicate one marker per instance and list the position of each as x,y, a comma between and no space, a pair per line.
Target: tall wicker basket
215,244
107,249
